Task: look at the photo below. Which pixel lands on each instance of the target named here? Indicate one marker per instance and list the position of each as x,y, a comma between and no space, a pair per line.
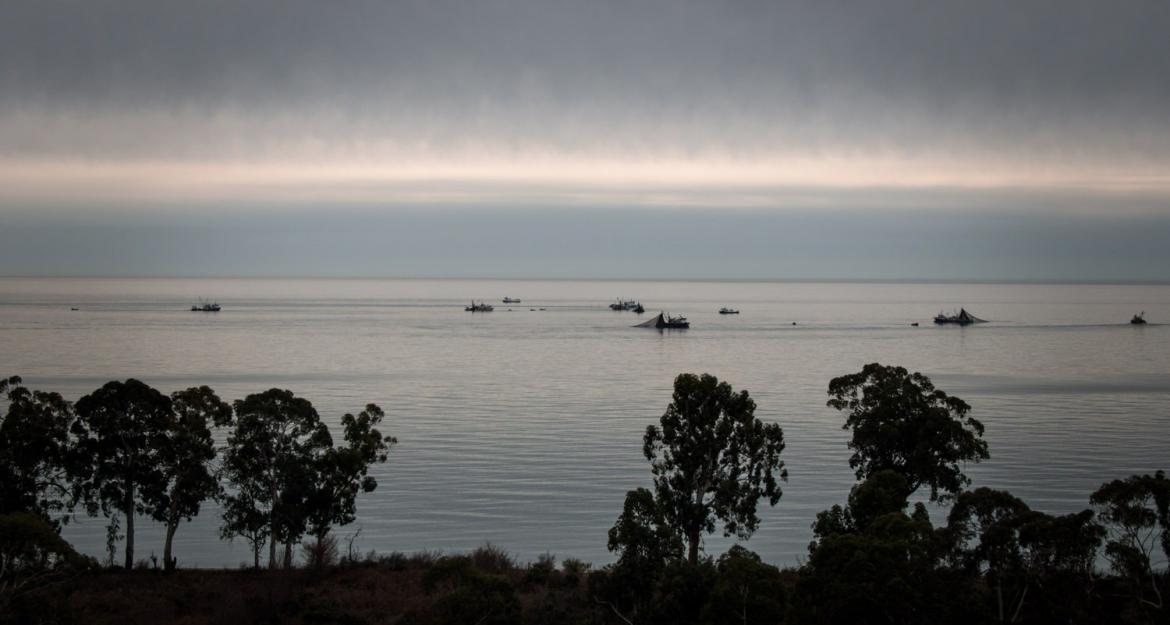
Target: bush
31,552
321,552
492,559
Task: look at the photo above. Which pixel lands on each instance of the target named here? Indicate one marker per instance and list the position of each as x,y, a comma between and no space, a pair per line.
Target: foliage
900,422
277,441
466,595
32,553
121,430
185,460
1136,511
34,446
746,590
342,472
713,460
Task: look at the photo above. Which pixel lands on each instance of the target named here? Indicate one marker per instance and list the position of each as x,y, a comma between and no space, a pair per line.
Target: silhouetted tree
984,525
713,460
902,423
872,563
1133,510
121,430
746,590
644,544
270,458
246,517
342,472
34,445
186,461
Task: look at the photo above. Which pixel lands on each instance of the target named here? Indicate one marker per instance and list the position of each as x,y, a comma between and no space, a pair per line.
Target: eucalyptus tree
713,460
185,460
901,422
276,440
121,431
1136,512
34,445
343,471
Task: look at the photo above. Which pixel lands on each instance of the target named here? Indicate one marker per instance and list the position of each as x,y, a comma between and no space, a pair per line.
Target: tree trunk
168,561
693,547
272,526
129,503
172,526
288,555
256,555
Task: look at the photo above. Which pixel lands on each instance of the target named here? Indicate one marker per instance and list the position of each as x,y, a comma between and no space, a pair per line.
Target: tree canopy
901,422
712,460
34,448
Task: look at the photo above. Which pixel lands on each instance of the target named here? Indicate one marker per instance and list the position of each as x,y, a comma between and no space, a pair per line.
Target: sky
741,139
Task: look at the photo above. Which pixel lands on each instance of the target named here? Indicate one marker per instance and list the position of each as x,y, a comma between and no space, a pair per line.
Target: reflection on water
524,427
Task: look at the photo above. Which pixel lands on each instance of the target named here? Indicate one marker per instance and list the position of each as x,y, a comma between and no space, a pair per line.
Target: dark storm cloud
1055,79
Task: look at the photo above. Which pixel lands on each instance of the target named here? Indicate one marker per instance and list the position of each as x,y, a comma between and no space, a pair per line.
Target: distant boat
74,308
728,311
480,307
665,321
1139,319
638,309
508,300
962,318
627,305
205,306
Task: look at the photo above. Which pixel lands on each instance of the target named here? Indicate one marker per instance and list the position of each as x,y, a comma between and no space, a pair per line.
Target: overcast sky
736,139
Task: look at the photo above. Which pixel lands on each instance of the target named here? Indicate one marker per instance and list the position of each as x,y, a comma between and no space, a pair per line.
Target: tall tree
712,460
186,461
902,423
34,445
277,440
343,471
121,429
1136,512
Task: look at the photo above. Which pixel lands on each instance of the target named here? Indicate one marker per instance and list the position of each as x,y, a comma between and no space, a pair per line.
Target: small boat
1139,319
914,325
480,307
74,308
621,304
205,306
508,300
728,311
638,309
962,318
665,321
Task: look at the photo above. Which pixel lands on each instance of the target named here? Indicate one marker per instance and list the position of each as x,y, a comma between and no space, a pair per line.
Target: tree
644,544
747,590
984,525
902,423
277,441
186,461
713,460
343,472
1133,509
121,429
34,445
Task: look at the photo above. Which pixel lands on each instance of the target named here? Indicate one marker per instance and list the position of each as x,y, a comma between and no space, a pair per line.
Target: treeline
127,449
873,559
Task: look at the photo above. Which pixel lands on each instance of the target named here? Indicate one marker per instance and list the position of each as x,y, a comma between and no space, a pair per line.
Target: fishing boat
728,311
480,307
638,309
665,321
1139,319
962,318
205,306
621,304
508,300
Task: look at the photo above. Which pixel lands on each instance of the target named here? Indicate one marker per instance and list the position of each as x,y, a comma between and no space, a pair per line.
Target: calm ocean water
523,428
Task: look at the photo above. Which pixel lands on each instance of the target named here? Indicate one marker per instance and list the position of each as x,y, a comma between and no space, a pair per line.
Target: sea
522,427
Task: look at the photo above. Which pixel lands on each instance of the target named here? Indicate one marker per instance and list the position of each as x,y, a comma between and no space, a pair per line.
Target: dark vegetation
284,483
